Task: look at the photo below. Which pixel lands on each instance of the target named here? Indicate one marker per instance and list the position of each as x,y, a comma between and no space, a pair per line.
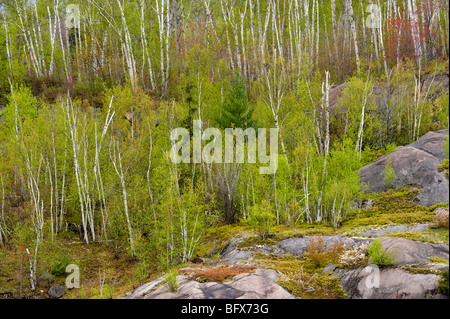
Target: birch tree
116,160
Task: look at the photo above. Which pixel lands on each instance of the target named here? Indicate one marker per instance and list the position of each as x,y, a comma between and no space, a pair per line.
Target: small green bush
378,256
261,219
171,280
389,174
443,283
60,264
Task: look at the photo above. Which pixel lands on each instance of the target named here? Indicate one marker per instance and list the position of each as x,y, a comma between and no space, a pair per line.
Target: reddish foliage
398,39
217,274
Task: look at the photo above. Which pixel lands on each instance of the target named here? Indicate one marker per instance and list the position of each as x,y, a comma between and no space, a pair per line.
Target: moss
434,236
302,277
444,166
317,287
431,208
438,260
417,270
216,238
407,235
443,283
282,232
392,207
252,241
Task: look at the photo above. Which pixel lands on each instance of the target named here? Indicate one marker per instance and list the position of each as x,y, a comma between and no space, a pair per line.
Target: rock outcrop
392,283
258,285
396,283
410,252
403,280
414,164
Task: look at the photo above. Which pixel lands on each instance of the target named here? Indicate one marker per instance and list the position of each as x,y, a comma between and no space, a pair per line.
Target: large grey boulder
391,283
414,164
407,252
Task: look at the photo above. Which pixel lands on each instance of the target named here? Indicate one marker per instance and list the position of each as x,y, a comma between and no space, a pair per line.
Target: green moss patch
444,166
434,236
392,207
215,239
302,277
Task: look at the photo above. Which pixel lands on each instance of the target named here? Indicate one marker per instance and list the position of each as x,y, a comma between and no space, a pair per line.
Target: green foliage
174,210
342,182
59,265
438,260
446,146
171,280
378,256
302,278
389,174
443,283
444,166
261,218
235,111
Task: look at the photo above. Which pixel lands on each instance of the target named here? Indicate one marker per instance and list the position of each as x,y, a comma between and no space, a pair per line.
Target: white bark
3,227
116,159
353,30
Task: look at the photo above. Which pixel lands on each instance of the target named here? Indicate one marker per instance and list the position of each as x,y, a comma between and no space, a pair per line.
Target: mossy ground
392,207
215,239
302,277
96,262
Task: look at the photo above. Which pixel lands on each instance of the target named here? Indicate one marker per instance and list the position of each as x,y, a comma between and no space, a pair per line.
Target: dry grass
441,218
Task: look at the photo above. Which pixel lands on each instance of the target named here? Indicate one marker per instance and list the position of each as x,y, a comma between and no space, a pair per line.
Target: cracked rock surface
258,285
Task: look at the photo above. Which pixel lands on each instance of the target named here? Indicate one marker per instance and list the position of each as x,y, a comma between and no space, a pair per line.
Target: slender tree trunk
353,30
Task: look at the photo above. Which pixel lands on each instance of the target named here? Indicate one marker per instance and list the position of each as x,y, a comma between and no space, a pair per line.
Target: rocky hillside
323,262
415,272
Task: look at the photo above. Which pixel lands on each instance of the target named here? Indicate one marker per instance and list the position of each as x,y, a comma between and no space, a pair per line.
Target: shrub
261,219
316,251
389,174
441,219
443,283
171,280
60,264
378,256
321,256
